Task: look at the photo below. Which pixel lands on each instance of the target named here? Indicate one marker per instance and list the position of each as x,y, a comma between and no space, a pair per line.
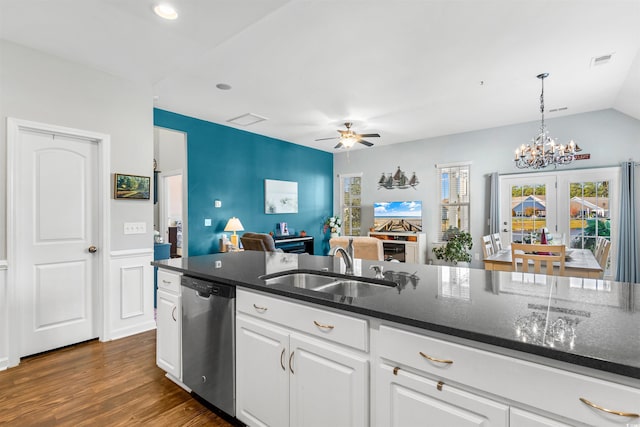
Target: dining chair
487,246
364,247
497,242
538,254
602,252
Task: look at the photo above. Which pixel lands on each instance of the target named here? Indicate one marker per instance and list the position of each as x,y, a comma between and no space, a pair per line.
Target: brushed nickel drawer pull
282,360
261,309
291,362
433,359
395,370
609,411
320,325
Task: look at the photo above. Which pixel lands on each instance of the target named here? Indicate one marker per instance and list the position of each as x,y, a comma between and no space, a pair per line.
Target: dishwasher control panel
205,287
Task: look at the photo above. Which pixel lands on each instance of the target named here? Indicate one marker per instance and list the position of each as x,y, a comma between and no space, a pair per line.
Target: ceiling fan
349,137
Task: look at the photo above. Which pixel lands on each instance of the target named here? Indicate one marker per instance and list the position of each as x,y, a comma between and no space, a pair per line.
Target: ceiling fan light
348,141
166,11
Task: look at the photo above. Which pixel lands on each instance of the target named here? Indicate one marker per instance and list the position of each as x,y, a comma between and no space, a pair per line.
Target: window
454,198
351,203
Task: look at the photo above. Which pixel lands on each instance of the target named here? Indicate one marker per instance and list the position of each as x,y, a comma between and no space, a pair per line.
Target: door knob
93,249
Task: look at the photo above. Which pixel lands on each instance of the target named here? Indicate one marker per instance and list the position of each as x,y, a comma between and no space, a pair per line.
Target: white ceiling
407,69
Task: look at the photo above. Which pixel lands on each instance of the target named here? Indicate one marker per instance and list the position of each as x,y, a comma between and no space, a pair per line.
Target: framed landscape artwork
131,187
280,197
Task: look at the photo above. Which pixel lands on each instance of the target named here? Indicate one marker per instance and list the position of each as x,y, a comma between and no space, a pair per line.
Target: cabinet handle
433,359
320,325
291,362
261,309
609,411
173,313
282,360
166,281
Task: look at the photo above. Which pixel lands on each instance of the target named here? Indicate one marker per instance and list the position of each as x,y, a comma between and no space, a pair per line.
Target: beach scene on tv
398,216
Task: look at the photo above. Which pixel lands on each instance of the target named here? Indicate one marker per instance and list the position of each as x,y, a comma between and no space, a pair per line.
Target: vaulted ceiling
407,69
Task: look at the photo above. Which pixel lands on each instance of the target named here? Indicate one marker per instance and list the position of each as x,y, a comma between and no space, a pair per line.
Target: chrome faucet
348,261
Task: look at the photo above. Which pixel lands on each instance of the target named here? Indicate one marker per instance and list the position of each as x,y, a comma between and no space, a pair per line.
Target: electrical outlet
477,256
207,222
135,227
217,204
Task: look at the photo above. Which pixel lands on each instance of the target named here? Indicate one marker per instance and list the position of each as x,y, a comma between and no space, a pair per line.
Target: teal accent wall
231,165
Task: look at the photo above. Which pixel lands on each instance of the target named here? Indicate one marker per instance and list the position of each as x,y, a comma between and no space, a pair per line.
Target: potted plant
457,247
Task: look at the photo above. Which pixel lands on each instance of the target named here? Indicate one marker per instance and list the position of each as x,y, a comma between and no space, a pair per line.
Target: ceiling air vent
601,60
247,119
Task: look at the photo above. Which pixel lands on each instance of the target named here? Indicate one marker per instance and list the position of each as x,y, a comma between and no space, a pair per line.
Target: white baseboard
133,330
4,363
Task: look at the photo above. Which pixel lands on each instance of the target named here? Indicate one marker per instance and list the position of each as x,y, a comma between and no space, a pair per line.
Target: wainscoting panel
4,317
130,293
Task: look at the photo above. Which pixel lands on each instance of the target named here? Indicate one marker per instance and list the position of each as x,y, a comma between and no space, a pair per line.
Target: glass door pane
527,206
589,213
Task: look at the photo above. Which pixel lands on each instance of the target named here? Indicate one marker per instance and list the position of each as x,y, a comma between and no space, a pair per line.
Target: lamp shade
234,225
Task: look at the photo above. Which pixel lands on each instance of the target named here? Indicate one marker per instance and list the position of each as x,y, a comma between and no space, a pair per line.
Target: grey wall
42,88
608,135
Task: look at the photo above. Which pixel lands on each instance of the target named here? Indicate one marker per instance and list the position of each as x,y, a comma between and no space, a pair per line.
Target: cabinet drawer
321,323
550,389
169,281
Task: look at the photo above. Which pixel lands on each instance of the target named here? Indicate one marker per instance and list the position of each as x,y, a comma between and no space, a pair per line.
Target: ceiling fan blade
369,135
367,143
325,139
339,145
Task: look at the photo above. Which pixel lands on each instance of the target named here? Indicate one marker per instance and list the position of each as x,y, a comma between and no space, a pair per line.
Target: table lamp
234,225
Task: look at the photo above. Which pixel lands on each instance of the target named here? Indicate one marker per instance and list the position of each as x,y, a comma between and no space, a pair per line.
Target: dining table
578,263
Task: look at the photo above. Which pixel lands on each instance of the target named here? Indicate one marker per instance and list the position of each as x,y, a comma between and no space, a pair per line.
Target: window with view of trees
351,203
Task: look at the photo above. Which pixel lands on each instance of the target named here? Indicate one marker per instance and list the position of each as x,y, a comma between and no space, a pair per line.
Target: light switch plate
135,227
217,204
207,222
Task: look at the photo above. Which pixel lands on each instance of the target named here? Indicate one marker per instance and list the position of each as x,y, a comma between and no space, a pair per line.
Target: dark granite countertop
490,307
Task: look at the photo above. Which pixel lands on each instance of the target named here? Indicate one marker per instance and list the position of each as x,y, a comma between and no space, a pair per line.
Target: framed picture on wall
280,196
131,187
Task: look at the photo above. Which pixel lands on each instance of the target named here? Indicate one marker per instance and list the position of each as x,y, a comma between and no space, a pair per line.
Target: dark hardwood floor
98,384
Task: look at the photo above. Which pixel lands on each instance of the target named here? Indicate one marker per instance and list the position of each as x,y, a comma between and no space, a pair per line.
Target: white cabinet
522,418
404,246
408,399
262,373
329,385
285,376
169,324
554,393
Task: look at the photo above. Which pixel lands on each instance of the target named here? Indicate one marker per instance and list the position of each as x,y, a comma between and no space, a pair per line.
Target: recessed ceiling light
165,11
223,86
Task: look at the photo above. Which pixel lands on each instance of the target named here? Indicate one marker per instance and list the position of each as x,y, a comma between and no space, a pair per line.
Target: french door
575,207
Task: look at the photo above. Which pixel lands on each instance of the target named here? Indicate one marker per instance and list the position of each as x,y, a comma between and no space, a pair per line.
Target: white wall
43,88
608,135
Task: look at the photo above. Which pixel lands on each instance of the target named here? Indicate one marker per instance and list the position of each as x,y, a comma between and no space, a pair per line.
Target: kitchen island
567,326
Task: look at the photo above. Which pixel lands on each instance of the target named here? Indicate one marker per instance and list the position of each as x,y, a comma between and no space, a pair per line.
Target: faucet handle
378,269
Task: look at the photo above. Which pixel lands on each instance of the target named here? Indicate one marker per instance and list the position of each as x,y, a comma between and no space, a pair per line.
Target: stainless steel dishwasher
208,341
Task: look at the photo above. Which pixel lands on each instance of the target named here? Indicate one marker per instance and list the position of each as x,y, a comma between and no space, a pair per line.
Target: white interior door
56,187
527,204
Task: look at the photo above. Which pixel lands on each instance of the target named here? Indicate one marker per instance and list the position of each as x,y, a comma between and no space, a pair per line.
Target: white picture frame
280,196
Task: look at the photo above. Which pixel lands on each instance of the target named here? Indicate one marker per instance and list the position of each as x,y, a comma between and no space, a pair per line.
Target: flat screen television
398,216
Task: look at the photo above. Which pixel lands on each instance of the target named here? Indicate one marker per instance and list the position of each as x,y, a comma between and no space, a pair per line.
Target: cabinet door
406,400
262,373
329,384
168,334
411,253
522,418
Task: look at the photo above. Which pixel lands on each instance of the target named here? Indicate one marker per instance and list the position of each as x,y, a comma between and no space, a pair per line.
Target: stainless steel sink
330,283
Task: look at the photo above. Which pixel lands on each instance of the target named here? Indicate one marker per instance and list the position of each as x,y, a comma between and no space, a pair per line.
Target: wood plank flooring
98,384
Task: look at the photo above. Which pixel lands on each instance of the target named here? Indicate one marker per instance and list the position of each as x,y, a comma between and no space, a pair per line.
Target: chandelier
544,150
